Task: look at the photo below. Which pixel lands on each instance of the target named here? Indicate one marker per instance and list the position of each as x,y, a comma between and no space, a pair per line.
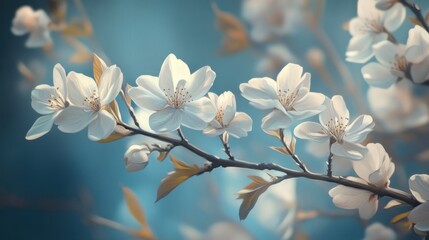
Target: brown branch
417,12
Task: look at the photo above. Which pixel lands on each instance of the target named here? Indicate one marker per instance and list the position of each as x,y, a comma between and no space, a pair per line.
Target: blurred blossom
385,4
371,26
136,157
396,108
316,58
289,97
217,231
277,56
50,101
418,54
35,23
227,119
177,97
335,124
419,187
272,18
378,231
376,169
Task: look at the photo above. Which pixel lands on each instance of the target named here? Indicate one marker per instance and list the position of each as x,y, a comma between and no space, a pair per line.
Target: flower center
400,66
57,102
93,102
336,127
372,25
219,116
179,97
287,98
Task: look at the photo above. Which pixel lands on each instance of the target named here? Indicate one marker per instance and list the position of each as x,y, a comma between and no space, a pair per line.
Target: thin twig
130,109
227,148
293,155
331,156
181,135
221,162
417,12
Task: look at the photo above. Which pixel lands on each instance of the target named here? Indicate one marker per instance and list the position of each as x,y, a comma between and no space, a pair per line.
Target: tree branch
220,162
227,148
417,12
293,155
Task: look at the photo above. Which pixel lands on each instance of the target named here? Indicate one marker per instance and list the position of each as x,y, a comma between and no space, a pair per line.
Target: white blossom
277,55
35,23
397,108
177,97
378,231
334,124
371,26
136,157
375,169
89,102
419,186
272,18
227,119
288,99
49,101
417,54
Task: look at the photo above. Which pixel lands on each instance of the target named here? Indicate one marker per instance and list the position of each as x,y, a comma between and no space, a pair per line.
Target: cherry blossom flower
89,102
397,108
375,169
371,26
49,101
334,124
177,97
236,124
35,23
378,231
289,98
271,18
419,186
136,157
417,53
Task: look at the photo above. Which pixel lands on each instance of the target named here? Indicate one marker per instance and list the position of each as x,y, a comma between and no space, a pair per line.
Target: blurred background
50,187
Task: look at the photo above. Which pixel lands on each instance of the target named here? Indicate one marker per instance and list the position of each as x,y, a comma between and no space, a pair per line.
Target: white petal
40,127
214,98
420,216
80,87
357,131
197,114
311,131
311,101
110,84
356,25
420,71
213,132
369,208
370,162
148,95
102,126
200,82
262,92
172,71
74,119
20,21
385,52
40,98
226,102
165,120
276,120
59,77
336,109
378,75
417,44
240,125
394,17
359,49
38,39
419,187
379,231
349,150
289,77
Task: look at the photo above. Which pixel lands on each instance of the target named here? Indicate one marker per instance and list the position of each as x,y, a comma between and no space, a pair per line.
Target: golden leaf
162,156
393,203
181,173
134,206
250,194
80,57
119,133
97,67
281,150
235,38
274,133
414,21
127,97
26,73
399,217
114,110
78,28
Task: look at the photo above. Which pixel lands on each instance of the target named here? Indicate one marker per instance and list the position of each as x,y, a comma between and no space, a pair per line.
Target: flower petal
172,71
197,114
419,187
378,75
165,120
40,127
147,94
261,92
357,131
59,77
226,102
311,131
420,216
240,125
79,87
369,208
276,120
200,82
102,126
289,77
311,101
110,84
40,98
417,44
349,150
74,119
394,17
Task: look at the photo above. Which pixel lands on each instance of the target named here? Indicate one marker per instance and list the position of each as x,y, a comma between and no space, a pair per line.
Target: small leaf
181,173
114,110
134,206
414,21
274,133
399,217
250,194
292,145
127,97
27,73
97,68
162,156
225,137
393,203
78,28
80,57
281,150
119,133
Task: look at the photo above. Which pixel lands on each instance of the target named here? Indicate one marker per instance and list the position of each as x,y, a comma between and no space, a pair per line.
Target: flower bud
136,157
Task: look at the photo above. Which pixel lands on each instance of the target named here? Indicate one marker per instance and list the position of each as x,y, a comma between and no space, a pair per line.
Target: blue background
41,181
